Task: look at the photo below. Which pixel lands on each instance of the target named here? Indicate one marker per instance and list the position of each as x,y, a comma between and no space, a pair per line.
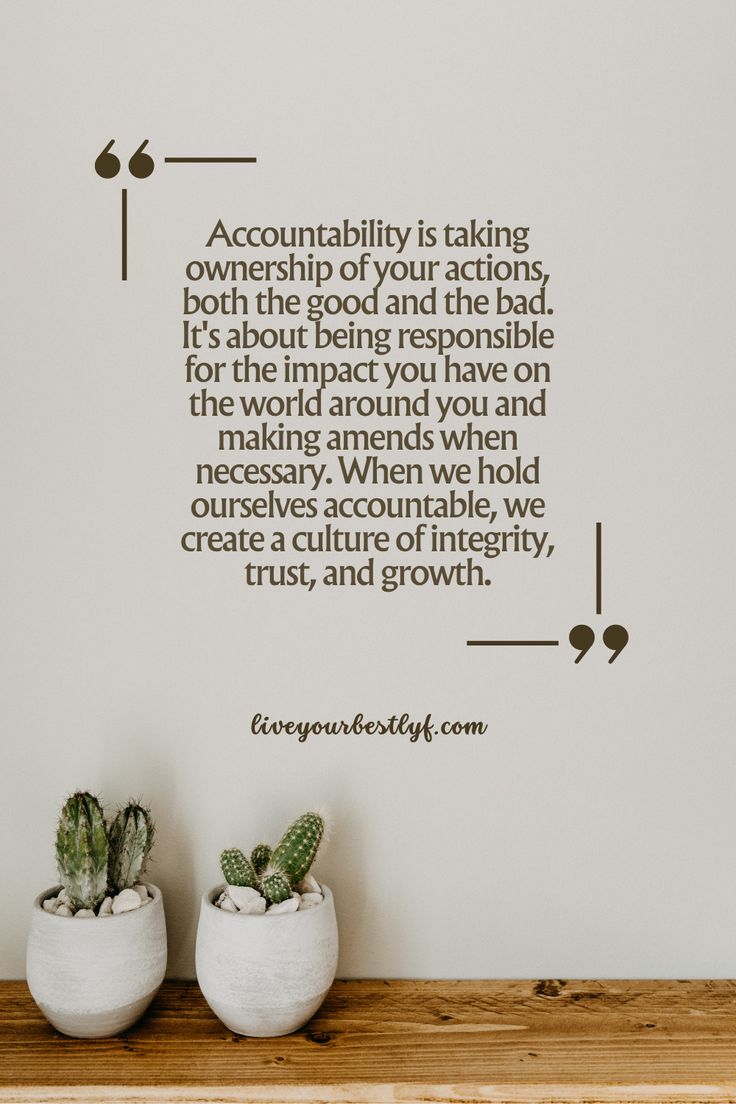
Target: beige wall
591,831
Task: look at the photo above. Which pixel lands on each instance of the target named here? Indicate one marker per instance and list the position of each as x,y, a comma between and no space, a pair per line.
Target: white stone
309,884
141,891
126,901
221,898
227,905
50,904
105,908
290,905
83,914
255,906
63,910
309,900
64,898
243,895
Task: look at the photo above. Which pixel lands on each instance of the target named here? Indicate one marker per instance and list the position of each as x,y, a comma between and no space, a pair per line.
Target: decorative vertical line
599,567
124,231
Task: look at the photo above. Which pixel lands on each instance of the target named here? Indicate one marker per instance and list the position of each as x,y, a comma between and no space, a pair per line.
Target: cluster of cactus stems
95,858
274,873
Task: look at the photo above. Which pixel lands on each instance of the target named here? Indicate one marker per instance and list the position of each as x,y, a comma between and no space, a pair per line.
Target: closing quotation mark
582,639
616,638
140,165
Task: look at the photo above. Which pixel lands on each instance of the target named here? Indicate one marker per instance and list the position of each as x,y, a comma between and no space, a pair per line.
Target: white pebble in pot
309,884
309,900
253,907
290,905
126,901
243,896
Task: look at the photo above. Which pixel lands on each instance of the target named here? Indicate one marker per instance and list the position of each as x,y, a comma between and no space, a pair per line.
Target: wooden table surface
377,1041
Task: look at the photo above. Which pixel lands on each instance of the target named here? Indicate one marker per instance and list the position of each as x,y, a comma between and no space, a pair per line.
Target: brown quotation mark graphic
581,637
140,166
107,164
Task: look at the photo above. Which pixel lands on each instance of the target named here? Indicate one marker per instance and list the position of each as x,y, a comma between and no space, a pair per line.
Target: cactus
130,838
276,887
260,857
298,846
275,873
82,850
237,869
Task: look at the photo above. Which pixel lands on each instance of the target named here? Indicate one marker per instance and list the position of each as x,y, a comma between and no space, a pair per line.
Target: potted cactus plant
97,943
267,938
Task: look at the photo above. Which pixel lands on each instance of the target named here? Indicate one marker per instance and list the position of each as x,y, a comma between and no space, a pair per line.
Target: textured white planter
95,977
266,975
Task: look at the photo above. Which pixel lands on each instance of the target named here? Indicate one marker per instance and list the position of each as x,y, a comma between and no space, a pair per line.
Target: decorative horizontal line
210,160
512,643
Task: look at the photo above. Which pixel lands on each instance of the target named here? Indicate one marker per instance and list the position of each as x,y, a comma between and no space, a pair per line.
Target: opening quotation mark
107,164
140,165
582,638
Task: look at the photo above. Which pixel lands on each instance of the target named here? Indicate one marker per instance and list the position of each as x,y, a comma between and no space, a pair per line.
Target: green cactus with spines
260,856
82,850
276,887
275,873
237,869
297,848
130,837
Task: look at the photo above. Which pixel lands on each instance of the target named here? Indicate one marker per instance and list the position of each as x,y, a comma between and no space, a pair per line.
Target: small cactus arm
276,887
82,850
260,856
130,838
237,869
297,849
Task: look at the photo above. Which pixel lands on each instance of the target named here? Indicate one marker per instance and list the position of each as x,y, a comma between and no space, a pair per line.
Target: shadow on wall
171,865
344,870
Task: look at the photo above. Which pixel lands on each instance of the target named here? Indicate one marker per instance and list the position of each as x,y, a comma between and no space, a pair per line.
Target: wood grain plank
399,1042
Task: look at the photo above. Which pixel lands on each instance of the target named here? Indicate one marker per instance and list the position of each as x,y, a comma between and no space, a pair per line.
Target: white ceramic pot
266,974
96,976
